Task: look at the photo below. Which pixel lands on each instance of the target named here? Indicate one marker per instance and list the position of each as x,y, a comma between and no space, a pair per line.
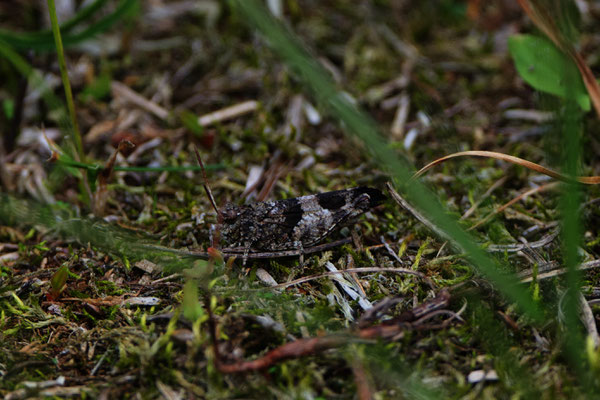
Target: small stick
304,279
416,213
228,113
487,193
205,184
552,273
587,317
389,330
121,90
538,189
362,381
236,252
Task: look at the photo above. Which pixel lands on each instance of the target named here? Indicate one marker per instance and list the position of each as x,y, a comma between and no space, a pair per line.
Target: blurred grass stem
76,136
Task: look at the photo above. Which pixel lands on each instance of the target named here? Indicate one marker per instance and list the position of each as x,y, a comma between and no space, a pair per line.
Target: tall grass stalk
570,131
76,135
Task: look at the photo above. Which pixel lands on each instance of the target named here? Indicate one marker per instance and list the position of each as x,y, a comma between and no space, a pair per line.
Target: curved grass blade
67,161
109,238
25,39
43,41
586,180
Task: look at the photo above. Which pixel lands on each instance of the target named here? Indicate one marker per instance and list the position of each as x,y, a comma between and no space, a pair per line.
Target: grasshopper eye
362,201
229,214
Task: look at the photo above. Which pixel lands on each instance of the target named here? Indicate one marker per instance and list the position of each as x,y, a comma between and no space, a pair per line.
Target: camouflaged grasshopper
291,224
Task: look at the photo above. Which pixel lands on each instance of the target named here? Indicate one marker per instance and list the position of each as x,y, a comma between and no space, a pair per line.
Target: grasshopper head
230,212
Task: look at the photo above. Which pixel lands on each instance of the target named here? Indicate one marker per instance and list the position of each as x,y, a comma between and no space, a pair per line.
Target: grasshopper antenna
205,183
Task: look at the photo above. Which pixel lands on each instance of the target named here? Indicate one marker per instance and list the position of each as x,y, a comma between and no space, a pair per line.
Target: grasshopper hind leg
247,247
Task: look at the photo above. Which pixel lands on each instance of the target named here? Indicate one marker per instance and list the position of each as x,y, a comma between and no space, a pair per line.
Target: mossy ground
204,59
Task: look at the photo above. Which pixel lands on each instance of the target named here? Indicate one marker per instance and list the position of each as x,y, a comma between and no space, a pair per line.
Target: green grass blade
43,41
66,161
36,81
125,8
354,120
570,131
65,80
81,16
171,168
63,219
28,40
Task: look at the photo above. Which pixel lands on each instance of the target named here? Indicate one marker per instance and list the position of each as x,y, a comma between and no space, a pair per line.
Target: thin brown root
314,345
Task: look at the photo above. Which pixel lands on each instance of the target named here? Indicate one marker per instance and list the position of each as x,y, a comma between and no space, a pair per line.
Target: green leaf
544,67
98,89
92,175
8,106
58,281
190,121
192,308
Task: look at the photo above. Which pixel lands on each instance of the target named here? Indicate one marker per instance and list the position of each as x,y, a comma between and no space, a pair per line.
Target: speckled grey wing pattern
293,223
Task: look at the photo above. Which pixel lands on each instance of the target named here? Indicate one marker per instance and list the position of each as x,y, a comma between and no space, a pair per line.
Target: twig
309,346
236,252
487,193
417,214
205,183
350,265
536,116
271,176
297,349
100,197
397,128
389,249
587,317
427,317
538,189
166,278
125,92
377,311
560,271
228,113
363,386
512,248
543,267
355,270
